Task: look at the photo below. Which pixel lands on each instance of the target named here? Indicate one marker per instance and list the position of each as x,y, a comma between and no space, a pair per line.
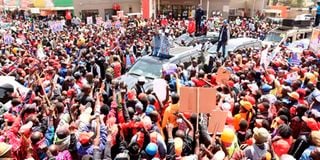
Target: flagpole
4,8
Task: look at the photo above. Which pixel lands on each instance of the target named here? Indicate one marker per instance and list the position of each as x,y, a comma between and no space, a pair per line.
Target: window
87,13
108,13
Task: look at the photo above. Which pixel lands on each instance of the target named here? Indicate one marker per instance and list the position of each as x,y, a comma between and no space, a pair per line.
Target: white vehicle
236,44
286,35
307,17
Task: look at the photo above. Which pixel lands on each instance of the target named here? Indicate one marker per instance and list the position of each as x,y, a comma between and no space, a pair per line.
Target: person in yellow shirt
244,113
169,116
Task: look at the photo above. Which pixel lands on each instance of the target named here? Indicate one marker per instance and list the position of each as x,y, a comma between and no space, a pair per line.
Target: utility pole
4,7
253,8
208,8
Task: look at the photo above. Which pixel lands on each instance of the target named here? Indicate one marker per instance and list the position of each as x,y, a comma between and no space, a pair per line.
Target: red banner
145,8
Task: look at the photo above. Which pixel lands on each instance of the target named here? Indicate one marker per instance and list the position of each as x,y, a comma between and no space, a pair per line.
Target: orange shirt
240,116
169,115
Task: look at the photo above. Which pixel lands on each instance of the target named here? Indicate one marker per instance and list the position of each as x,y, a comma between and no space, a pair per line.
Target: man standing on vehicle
199,14
316,23
224,36
156,43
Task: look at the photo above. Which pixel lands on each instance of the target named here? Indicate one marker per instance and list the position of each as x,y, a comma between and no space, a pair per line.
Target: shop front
178,9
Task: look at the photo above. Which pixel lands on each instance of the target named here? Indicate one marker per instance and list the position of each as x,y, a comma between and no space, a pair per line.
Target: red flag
68,15
191,27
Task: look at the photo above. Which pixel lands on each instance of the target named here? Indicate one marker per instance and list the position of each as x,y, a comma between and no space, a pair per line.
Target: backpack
299,146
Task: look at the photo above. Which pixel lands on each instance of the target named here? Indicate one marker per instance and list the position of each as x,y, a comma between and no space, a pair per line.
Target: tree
300,3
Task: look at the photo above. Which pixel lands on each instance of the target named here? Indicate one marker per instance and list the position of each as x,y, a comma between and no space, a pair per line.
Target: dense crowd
75,107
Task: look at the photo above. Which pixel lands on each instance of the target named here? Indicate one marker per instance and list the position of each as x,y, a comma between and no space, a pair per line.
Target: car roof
240,41
175,54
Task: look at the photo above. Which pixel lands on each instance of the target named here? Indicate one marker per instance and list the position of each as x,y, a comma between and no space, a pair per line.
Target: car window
149,69
273,37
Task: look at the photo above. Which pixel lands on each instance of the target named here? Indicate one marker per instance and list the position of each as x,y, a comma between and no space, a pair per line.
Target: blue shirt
306,153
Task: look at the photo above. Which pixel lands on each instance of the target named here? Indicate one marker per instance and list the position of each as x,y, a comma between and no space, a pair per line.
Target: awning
58,8
272,11
35,10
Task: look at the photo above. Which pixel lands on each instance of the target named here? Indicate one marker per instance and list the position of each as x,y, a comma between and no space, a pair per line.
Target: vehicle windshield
273,37
185,37
146,68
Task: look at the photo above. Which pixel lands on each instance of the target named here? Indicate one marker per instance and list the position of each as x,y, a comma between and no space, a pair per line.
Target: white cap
226,107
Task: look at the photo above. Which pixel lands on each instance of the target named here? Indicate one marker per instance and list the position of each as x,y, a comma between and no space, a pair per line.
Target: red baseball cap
84,137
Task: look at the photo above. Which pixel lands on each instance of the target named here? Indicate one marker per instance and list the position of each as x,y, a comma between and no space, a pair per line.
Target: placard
8,39
160,88
99,21
120,14
169,68
89,20
217,121
188,99
315,41
207,102
107,24
117,25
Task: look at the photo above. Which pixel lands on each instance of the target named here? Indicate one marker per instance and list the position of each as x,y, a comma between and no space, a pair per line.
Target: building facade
104,8
169,8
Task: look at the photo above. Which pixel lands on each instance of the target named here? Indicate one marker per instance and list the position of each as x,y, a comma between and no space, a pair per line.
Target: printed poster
89,20
8,39
315,41
107,24
99,21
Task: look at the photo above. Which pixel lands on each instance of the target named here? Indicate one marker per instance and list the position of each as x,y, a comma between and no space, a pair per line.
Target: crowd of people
75,107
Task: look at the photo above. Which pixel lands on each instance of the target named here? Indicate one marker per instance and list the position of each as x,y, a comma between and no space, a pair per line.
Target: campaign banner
89,20
56,26
107,24
314,45
117,24
8,39
99,21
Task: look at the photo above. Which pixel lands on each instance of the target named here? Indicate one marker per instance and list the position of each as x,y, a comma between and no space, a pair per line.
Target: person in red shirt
302,94
191,26
199,82
116,65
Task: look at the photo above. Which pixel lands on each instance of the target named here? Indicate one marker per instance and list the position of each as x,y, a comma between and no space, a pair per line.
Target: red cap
9,117
84,137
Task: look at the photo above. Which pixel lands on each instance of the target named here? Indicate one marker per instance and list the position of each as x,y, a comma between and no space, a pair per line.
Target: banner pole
198,103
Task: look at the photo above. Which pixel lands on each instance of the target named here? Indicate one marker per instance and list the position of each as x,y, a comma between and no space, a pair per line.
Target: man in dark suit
199,15
94,68
224,36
